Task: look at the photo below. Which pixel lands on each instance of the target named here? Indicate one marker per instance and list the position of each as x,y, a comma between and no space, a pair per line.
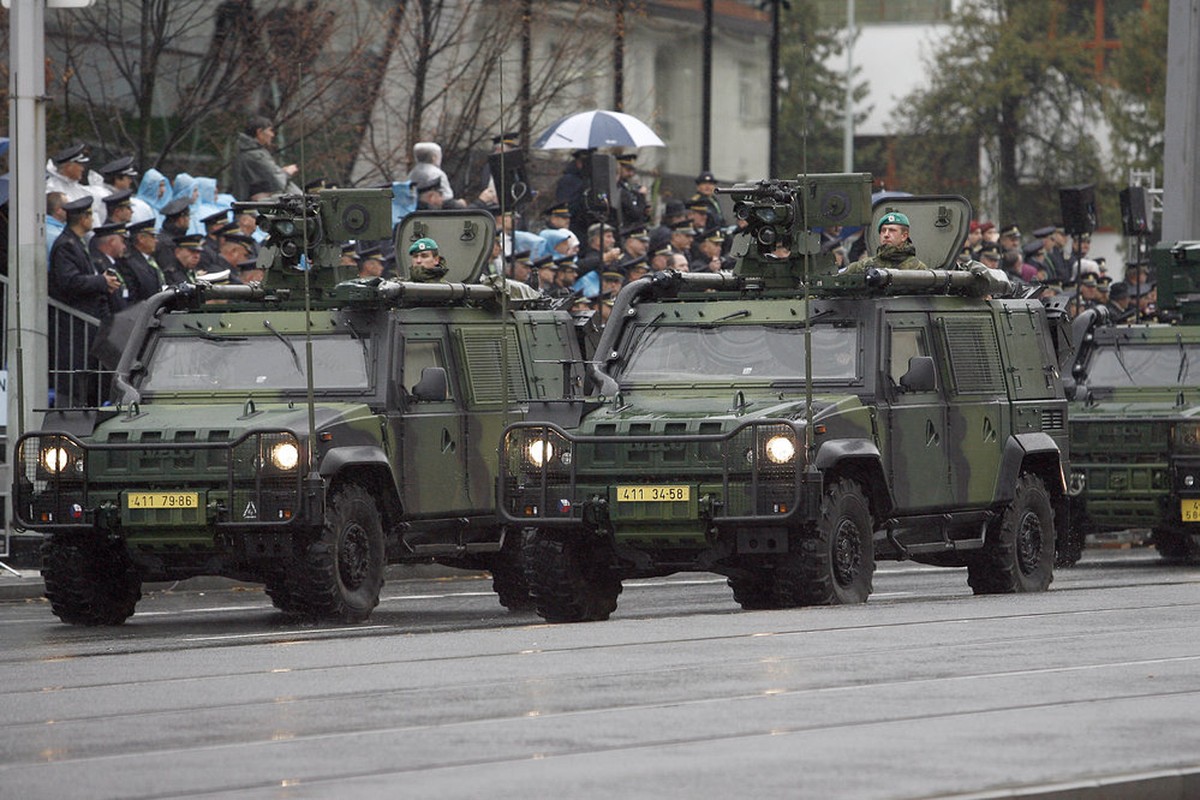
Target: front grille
732,471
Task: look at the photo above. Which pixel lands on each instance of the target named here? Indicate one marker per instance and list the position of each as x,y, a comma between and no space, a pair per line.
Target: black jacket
74,279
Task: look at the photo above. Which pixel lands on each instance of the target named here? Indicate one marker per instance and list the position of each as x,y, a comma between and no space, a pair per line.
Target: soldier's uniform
891,256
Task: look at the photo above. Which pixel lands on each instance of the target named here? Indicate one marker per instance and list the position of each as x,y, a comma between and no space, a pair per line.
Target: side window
421,353
903,345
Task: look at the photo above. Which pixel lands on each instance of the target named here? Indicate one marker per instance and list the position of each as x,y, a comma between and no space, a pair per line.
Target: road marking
305,634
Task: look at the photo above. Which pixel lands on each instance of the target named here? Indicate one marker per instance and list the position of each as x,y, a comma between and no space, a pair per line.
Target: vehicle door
434,475
978,400
918,469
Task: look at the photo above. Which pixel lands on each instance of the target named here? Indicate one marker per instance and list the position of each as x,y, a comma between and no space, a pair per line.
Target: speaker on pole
1078,204
1135,217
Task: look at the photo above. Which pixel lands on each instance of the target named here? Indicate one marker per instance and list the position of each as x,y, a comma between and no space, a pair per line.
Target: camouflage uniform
890,256
429,275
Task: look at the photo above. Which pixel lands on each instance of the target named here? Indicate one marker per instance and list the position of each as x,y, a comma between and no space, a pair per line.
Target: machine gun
305,233
784,219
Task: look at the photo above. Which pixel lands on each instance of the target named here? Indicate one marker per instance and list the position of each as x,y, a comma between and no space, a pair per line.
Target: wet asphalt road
925,691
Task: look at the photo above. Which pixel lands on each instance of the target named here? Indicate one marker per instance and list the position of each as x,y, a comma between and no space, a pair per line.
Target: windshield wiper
210,336
295,356
1183,360
1121,361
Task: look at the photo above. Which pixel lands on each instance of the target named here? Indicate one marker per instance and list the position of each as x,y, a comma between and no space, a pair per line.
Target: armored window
422,353
905,344
974,354
493,374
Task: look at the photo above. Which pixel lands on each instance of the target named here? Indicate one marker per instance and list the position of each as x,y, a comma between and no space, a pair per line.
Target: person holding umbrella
571,191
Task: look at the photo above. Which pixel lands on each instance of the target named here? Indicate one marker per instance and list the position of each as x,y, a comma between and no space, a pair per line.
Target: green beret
422,244
892,218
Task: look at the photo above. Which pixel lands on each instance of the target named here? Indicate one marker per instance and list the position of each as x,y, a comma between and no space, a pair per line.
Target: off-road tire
1018,551
278,588
570,580
754,592
508,571
1175,546
90,582
1069,547
340,573
833,562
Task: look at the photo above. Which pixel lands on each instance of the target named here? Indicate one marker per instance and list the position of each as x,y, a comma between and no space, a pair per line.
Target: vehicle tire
1069,547
278,588
833,562
1018,553
509,579
1176,546
754,592
570,580
340,574
90,582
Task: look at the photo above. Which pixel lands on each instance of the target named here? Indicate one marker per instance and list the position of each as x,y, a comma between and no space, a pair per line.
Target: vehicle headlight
55,459
285,456
539,451
780,449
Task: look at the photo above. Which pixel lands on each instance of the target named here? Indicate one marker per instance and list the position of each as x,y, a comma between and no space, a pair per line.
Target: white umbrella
589,129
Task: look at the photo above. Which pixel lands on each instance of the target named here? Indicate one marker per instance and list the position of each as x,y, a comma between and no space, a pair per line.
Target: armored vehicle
1135,416
788,432
301,432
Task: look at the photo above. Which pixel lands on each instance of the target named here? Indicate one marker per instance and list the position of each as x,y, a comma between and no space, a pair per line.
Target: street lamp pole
848,129
773,149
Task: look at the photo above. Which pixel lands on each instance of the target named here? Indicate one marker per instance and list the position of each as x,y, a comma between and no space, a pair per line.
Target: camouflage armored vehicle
222,458
787,433
1135,417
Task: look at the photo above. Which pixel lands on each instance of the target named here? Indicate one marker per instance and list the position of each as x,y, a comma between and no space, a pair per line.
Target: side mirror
432,386
921,375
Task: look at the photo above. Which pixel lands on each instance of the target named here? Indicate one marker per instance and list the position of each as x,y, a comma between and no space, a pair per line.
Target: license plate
653,494
140,500
1189,510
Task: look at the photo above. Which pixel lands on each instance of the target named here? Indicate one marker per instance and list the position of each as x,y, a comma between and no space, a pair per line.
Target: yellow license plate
140,500
1189,510
653,494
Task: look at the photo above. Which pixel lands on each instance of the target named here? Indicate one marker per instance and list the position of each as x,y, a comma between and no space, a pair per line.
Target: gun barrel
976,280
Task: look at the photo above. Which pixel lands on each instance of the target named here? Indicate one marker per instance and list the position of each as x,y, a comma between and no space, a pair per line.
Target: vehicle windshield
674,354
1161,364
248,363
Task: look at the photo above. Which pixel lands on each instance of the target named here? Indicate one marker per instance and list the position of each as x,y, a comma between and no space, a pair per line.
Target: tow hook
1077,484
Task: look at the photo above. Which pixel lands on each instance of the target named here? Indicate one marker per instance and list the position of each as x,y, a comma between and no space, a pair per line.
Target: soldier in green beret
896,250
426,265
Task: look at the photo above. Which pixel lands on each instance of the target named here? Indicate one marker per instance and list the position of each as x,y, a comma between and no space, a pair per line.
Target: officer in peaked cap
118,206
76,154
139,266
117,168
370,263
349,255
186,258
1010,237
611,281
249,271
706,187
989,255
509,139
546,276
178,207
70,165
429,195
558,216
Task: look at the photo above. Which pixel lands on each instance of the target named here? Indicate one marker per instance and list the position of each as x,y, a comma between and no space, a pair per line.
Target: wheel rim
847,553
1029,543
354,555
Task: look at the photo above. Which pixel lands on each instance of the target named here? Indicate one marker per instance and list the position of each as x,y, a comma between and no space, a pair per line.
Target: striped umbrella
589,129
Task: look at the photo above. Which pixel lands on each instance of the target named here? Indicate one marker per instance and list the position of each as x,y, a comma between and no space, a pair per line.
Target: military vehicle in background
222,457
787,426
1135,417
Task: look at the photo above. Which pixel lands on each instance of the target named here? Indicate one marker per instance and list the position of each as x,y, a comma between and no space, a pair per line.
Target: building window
875,12
751,96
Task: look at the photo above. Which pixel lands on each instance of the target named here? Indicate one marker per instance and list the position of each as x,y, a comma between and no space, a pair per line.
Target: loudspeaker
1135,217
1078,204
603,197
508,173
